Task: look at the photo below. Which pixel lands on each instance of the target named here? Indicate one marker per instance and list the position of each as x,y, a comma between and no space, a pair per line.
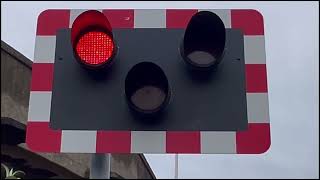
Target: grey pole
100,166
176,167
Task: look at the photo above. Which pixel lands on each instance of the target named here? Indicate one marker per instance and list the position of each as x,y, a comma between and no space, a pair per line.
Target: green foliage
7,173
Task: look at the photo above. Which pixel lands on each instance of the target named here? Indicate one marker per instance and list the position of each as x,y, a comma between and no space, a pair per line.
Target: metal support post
100,166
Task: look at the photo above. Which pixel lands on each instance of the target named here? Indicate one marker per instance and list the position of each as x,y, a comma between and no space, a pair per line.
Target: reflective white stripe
39,106
148,142
74,13
254,50
44,51
218,142
153,18
258,108
78,141
224,14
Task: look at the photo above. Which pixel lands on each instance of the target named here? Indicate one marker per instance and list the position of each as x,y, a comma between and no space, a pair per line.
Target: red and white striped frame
255,140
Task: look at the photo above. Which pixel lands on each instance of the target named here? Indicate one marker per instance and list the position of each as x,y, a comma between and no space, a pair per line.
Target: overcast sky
292,47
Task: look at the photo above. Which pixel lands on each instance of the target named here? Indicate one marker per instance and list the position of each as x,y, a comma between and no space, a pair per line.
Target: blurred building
15,81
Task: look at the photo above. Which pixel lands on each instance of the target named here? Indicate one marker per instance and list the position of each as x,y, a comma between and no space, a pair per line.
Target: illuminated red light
95,48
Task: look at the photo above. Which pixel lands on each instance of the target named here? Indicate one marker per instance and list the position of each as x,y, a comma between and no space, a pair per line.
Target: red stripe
256,78
42,77
249,21
255,140
120,18
113,142
183,142
179,18
40,138
49,21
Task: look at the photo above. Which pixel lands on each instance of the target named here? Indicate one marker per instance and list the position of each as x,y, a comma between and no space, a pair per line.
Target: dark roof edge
17,55
144,160
13,122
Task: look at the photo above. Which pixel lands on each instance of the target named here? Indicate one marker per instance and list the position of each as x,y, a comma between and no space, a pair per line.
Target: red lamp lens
95,48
